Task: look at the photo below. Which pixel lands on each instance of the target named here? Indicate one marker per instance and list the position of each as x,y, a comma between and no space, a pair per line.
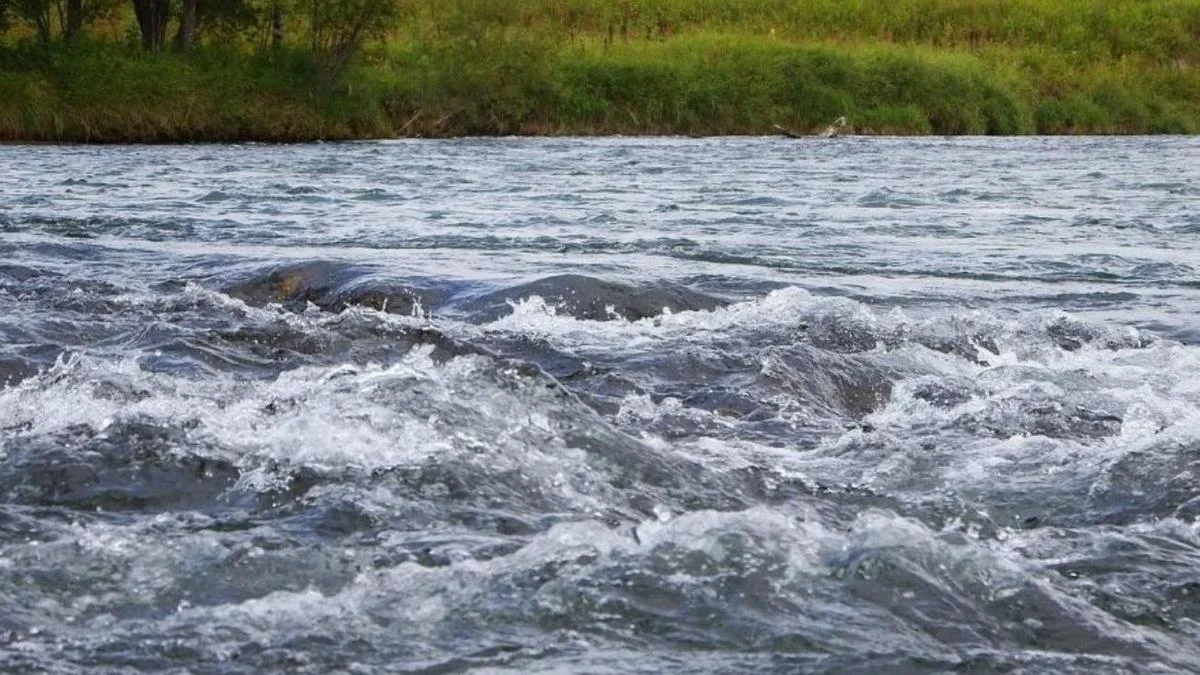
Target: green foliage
355,68
1072,114
337,27
1087,29
50,18
97,93
485,84
226,20
722,85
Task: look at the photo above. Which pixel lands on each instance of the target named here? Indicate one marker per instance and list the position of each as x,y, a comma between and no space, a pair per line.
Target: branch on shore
403,130
832,131
786,132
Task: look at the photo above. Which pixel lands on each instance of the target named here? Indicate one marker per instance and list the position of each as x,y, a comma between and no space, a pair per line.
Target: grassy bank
640,66
90,93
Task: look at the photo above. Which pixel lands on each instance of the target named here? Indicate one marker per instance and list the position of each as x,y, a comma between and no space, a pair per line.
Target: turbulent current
620,405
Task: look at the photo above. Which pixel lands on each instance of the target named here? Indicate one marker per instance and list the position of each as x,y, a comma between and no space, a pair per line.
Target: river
611,405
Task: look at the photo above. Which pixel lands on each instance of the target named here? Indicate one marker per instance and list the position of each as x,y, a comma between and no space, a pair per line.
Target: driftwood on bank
832,131
786,132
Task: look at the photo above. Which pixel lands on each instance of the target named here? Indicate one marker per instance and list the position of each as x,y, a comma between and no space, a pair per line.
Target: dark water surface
602,406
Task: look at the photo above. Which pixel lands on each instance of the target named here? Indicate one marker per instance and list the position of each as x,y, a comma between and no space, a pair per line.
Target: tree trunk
43,28
186,37
152,17
276,26
38,13
73,25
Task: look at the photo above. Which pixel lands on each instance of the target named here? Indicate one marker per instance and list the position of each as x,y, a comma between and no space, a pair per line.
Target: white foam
533,316
346,417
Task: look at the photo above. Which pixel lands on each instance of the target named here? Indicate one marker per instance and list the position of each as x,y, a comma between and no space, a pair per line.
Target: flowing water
620,405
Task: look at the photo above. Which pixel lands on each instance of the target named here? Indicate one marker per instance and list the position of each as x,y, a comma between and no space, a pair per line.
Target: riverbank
689,69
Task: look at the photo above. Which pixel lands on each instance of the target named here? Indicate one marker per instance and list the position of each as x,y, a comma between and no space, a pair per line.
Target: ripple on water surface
601,406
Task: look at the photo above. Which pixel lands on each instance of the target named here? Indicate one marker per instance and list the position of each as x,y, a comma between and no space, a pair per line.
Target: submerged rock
332,287
595,299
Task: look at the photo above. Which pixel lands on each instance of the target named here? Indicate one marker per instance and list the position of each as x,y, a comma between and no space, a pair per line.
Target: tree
186,37
187,27
73,23
276,25
44,15
338,27
152,17
36,12
222,20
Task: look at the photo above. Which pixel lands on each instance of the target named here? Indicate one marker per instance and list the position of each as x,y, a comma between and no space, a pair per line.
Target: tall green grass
1087,29
733,84
454,67
94,93
729,85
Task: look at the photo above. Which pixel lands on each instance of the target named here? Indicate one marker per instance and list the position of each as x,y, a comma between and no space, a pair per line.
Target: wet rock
847,384
594,299
19,273
943,393
127,466
332,287
14,370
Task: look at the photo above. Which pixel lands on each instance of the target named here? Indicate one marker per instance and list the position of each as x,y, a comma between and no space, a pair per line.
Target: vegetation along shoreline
113,71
